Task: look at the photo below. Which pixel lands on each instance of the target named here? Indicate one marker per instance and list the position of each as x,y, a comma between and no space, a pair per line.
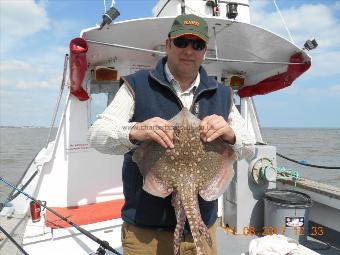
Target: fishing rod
13,241
104,245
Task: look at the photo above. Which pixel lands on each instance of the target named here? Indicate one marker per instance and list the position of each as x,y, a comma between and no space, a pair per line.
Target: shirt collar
175,83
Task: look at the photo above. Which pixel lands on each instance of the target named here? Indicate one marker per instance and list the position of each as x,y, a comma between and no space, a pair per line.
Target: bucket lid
288,197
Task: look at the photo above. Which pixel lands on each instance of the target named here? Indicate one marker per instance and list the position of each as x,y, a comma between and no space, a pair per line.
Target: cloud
35,85
38,62
337,5
304,22
324,64
62,27
335,90
15,65
316,93
20,19
24,107
24,75
298,105
311,92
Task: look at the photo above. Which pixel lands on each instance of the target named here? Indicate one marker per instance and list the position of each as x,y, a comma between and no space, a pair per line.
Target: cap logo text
191,22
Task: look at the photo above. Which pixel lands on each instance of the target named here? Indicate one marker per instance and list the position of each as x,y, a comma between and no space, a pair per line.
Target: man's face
184,62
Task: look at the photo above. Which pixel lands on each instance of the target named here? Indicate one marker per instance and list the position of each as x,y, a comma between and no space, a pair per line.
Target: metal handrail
58,100
207,58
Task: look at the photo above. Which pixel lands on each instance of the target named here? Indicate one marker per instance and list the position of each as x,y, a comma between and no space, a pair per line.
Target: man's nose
189,49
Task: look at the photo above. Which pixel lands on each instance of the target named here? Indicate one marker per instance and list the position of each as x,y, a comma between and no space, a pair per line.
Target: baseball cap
189,24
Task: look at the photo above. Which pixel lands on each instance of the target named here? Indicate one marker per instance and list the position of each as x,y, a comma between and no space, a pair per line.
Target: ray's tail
180,217
197,226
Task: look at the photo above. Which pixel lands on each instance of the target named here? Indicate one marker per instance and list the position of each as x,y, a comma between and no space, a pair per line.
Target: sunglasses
183,42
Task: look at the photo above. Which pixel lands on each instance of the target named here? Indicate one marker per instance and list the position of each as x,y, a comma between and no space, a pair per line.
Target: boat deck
227,243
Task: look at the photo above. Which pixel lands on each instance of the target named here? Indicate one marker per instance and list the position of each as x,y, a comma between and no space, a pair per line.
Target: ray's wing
221,158
146,157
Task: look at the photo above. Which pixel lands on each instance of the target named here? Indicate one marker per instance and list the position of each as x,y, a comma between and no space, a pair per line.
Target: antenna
183,6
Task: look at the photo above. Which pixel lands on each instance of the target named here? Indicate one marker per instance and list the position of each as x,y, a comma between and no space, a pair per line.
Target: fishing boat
69,199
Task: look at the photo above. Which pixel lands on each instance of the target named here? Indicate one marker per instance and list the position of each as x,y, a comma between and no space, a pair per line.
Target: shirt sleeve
109,134
244,145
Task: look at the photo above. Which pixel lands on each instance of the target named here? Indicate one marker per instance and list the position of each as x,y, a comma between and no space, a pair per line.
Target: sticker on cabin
294,221
135,66
78,147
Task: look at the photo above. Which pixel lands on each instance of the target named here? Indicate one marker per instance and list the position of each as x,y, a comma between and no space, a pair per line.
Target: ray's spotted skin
192,167
180,216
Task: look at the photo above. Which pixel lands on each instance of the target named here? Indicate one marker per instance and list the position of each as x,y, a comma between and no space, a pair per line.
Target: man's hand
156,129
214,126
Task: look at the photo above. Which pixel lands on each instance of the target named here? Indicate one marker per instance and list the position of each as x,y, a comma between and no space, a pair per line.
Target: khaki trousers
143,241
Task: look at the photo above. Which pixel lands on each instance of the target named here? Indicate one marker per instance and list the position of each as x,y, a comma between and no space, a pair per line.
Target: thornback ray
191,168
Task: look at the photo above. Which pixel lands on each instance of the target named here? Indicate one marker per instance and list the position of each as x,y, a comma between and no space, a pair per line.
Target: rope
283,21
113,2
163,8
288,174
304,163
193,11
104,6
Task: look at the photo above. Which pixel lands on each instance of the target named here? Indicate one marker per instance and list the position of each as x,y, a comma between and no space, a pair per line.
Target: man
140,112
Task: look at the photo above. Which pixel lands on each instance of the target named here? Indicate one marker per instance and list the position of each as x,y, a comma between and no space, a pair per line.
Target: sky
35,35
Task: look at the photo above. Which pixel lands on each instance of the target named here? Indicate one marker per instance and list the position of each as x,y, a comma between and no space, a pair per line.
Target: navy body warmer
154,97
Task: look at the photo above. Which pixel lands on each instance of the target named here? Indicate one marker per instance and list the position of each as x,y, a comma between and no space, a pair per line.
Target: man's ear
205,52
168,43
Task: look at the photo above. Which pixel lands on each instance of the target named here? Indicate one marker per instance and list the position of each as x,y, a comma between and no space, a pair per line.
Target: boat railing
58,100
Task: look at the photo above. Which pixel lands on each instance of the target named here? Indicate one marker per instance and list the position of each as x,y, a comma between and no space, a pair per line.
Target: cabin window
102,94
227,81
